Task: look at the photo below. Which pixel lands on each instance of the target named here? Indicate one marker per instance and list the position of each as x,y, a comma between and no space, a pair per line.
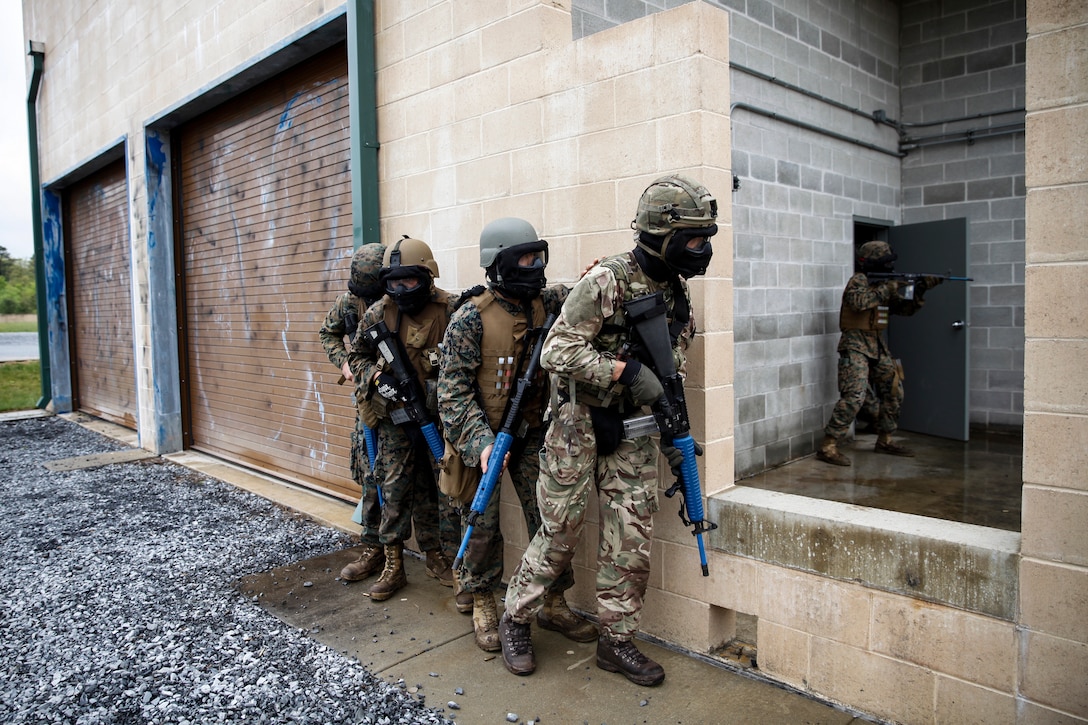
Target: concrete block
784,653
579,110
968,704
1056,147
454,60
430,28
1045,16
1047,385
1056,450
1053,524
576,209
1054,300
822,607
1057,217
484,178
966,646
544,166
1054,598
1056,68
513,127
625,151
1054,672
679,619
888,688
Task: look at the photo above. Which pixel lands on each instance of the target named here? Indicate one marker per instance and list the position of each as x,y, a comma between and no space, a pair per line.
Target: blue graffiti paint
285,117
156,160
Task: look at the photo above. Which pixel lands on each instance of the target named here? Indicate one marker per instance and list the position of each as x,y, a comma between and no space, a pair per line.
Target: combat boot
884,445
614,655
485,621
517,646
439,568
829,452
393,578
558,617
463,600
370,560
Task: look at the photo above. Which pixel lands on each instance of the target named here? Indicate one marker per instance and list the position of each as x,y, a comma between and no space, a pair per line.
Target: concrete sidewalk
418,637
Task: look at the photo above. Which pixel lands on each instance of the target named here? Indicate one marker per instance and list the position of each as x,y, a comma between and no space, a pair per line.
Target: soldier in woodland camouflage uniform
417,312
597,387
864,357
485,350
342,321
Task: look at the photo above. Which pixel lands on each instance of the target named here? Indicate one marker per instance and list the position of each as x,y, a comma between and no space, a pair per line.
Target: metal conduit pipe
36,51
881,117
810,127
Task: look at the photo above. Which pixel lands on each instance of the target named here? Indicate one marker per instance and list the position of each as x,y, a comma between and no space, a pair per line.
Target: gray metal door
934,342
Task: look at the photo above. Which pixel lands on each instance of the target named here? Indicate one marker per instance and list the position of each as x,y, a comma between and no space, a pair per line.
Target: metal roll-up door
265,199
100,295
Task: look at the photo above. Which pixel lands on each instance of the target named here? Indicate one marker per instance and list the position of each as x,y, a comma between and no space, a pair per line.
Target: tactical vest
501,349
872,319
421,333
614,334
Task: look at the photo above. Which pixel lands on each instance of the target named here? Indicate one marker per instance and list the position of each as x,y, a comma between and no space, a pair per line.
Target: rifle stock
504,439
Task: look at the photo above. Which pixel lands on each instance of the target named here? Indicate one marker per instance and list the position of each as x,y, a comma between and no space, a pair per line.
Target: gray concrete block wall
966,58
800,191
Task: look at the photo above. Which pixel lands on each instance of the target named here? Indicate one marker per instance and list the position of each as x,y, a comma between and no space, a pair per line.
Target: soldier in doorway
864,357
416,312
485,351
337,336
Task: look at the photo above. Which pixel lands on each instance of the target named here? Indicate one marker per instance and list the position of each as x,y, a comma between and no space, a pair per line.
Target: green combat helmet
672,211
503,243
366,263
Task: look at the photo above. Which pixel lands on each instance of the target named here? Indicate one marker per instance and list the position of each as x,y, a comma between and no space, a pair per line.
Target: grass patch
20,385
13,323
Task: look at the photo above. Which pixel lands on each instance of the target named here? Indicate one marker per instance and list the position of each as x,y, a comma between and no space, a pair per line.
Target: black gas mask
409,300
690,261
523,282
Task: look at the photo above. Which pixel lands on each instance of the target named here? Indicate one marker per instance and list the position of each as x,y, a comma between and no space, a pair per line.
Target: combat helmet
366,264
671,211
503,243
403,259
876,256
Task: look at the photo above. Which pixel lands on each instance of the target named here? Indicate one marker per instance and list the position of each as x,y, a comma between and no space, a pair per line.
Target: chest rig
503,350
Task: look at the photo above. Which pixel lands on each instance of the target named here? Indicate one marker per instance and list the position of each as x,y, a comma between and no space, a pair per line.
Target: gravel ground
117,604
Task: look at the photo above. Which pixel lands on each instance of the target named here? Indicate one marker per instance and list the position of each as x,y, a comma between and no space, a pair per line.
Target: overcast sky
15,227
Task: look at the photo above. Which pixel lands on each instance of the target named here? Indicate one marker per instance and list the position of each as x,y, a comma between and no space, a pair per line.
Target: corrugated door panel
100,295
266,217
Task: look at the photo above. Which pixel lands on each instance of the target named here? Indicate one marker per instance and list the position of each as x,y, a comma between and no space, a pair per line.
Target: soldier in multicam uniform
417,312
364,289
864,357
596,388
485,350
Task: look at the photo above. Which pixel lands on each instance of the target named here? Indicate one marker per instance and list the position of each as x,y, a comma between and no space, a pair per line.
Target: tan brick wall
1053,639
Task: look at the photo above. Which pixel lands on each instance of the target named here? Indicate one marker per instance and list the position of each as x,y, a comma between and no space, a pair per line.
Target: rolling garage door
100,295
266,227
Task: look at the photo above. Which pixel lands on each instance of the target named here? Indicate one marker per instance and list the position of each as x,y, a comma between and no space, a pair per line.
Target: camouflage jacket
860,296
463,419
341,322
591,331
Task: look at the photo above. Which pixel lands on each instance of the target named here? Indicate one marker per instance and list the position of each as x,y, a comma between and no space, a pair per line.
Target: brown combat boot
623,656
829,452
393,578
463,600
371,559
558,617
485,621
439,568
517,646
884,445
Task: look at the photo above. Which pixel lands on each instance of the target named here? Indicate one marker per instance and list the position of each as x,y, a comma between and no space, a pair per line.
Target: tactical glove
644,386
675,456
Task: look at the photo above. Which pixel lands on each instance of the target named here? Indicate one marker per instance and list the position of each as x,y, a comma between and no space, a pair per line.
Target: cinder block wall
960,59
1053,637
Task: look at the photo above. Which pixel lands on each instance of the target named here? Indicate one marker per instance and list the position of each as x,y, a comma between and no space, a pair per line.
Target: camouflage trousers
626,485
483,560
408,475
856,373
361,474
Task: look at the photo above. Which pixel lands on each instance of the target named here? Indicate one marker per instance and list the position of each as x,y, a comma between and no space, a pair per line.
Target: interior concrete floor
977,482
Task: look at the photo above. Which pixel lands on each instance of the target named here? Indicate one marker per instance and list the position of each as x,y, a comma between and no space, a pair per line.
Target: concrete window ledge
960,565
